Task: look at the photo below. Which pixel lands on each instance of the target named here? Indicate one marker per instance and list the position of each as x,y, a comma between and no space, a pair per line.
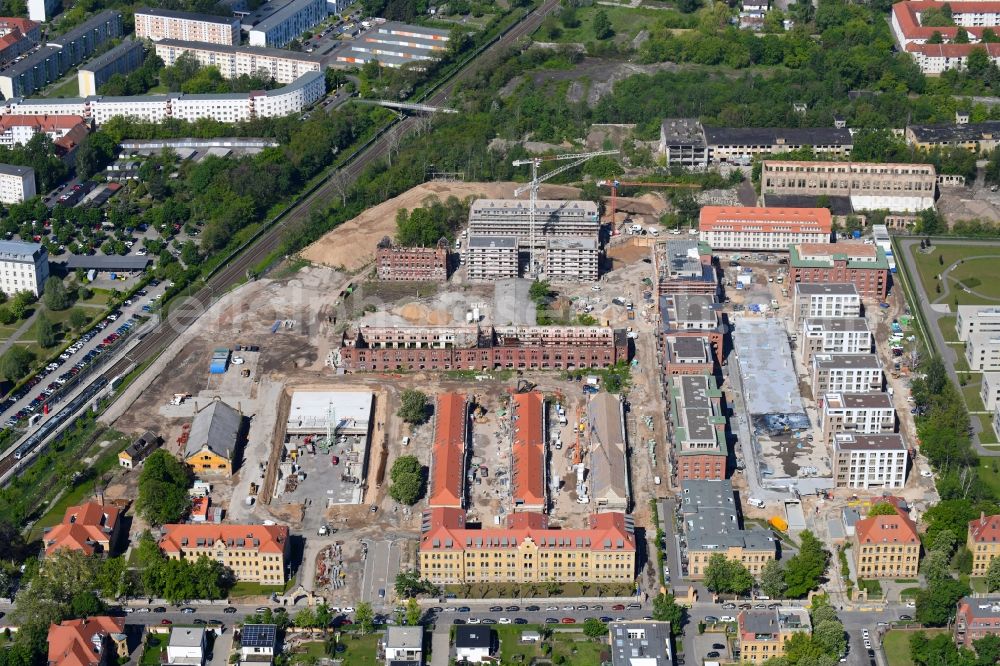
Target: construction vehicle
615,184
524,386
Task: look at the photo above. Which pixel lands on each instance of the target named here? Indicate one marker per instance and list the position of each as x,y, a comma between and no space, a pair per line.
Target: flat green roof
880,263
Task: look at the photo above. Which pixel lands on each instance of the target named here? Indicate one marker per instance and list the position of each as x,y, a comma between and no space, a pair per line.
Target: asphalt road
183,314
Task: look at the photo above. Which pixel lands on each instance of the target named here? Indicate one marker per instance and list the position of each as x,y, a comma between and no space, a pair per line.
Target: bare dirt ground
351,246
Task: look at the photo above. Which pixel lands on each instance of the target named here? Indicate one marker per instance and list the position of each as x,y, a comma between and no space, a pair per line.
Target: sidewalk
441,646
21,330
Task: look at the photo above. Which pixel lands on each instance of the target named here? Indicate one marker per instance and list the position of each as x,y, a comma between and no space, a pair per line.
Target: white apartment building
157,24
825,300
869,461
144,108
227,108
293,98
770,229
17,183
43,10
982,351
23,267
990,392
846,373
834,335
489,258
571,260
234,61
72,106
976,319
512,217
287,23
858,413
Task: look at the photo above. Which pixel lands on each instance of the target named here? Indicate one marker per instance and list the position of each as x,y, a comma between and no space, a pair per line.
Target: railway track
179,319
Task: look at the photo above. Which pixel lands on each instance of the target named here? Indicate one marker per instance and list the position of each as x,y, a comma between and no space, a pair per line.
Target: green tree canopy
414,406
45,331
55,295
804,570
666,609
163,486
16,363
407,475
725,575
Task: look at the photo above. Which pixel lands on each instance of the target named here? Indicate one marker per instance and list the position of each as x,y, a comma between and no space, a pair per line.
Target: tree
978,62
772,580
305,619
805,569
882,509
16,363
7,316
987,650
936,602
936,38
45,331
602,25
55,296
95,152
666,609
409,584
413,612
78,318
724,575
163,485
961,36
830,634
85,603
993,575
364,617
594,628
413,406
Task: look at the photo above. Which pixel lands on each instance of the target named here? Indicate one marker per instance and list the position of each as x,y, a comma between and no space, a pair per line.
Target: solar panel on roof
258,635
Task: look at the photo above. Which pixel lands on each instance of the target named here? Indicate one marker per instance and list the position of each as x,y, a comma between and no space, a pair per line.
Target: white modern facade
971,319
17,183
23,267
982,351
42,10
234,61
834,335
846,373
869,461
403,644
186,646
990,392
825,300
859,413
287,23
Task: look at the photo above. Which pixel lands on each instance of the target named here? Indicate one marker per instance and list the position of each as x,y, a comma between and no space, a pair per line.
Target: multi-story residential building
770,229
869,461
894,187
234,61
91,641
17,36
834,335
712,527
255,553
974,137
972,319
23,267
886,547
17,183
157,24
609,482
492,258
553,218
65,131
846,373
682,142
742,144
640,643
864,266
697,428
527,550
91,528
528,456
825,300
913,37
685,267
983,542
857,413
43,10
571,260
975,618
48,63
764,632
369,349
982,352
448,452
287,22
214,439
693,315
685,354
411,264
990,392
122,59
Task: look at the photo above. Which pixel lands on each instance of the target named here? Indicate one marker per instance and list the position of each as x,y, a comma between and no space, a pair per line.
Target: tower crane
536,180
615,184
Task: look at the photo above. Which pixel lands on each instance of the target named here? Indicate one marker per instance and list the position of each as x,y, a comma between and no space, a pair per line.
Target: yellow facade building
255,553
983,542
527,550
213,440
886,547
764,632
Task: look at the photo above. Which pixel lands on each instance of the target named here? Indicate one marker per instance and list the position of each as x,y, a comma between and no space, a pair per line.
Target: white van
753,501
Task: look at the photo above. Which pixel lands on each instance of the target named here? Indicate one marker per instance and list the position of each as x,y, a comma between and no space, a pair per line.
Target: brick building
474,348
528,487
687,354
697,428
684,267
448,452
411,264
864,266
975,618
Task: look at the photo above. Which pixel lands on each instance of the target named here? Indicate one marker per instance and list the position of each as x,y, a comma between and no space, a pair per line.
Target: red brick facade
871,283
701,466
411,264
973,622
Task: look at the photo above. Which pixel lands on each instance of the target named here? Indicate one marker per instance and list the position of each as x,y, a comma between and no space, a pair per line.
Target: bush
413,406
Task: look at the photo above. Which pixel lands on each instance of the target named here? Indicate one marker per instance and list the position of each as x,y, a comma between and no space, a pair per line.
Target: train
60,417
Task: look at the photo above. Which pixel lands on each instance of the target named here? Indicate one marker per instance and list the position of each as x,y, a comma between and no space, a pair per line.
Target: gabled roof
84,528
985,529
71,643
447,481
217,428
528,449
260,538
608,471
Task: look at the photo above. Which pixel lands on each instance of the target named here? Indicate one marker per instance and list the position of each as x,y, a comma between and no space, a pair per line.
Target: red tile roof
887,529
260,538
906,14
71,642
47,123
448,452
83,528
444,530
951,50
985,529
528,450
735,218
10,23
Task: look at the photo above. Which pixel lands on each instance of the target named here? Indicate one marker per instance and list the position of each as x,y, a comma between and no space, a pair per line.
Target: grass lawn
573,645
947,326
155,646
982,275
361,650
244,589
625,22
68,88
896,645
990,475
313,649
971,394
978,584
987,436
